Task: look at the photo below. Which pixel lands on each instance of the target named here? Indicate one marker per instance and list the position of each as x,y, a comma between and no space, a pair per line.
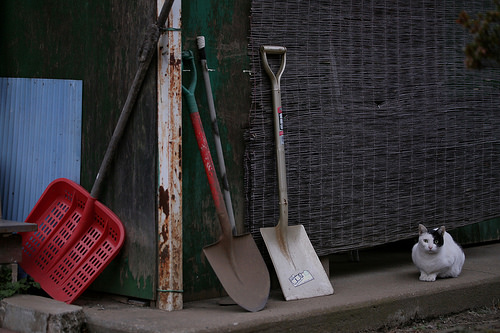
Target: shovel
236,260
78,236
299,270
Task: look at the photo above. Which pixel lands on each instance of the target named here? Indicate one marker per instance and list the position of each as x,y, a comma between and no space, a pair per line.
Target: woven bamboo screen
384,126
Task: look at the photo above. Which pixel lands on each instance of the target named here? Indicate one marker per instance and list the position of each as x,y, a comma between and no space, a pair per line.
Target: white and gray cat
436,254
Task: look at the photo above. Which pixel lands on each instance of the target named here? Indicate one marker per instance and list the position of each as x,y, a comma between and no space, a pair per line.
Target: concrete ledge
389,312
28,313
381,290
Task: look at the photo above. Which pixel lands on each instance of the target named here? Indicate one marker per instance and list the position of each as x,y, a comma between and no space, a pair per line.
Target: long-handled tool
78,236
215,130
299,270
235,259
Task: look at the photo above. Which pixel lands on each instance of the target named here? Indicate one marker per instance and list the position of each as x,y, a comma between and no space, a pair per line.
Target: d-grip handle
277,50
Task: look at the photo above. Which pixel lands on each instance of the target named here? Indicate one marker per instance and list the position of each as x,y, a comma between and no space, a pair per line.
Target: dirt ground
483,320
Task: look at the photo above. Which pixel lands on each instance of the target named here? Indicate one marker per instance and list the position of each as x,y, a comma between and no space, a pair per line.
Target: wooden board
7,226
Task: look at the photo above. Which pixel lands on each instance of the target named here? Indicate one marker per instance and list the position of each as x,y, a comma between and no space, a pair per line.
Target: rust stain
180,160
174,61
164,202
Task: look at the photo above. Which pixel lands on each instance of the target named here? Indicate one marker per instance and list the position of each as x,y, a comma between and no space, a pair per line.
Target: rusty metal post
169,291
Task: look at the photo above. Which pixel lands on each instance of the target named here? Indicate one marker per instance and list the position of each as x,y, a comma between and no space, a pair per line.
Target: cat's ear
441,230
421,229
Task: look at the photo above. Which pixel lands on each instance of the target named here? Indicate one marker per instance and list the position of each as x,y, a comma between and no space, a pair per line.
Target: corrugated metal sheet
40,139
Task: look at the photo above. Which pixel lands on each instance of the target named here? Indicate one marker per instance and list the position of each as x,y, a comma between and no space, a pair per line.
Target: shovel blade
246,280
300,273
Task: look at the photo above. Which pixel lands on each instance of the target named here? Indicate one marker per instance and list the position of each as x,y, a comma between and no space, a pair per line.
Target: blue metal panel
40,139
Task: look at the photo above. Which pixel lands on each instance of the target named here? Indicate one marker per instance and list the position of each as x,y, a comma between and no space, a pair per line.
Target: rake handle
149,46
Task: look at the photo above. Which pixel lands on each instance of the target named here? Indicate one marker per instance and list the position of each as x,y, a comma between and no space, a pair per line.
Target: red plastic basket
65,270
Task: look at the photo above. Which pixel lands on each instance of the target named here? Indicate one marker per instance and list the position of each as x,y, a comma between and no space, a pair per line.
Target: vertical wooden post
169,291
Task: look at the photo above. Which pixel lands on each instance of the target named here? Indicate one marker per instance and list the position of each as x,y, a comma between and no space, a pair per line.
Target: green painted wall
225,25
97,41
486,231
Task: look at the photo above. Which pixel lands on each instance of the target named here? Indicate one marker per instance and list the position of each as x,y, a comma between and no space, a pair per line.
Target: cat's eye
426,241
436,241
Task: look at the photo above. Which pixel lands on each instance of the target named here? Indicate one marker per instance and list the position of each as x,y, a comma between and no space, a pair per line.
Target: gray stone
33,314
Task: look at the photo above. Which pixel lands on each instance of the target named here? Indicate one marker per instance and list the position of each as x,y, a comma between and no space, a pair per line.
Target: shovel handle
188,93
215,131
278,127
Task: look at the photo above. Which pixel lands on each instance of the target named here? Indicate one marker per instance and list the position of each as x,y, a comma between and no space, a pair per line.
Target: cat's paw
427,277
